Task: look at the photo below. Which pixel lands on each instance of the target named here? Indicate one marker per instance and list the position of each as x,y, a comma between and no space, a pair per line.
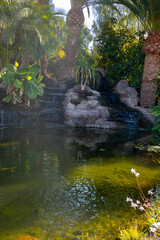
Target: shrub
120,52
21,84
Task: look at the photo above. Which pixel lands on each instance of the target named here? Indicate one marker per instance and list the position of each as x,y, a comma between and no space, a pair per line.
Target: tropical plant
120,53
21,85
148,12
29,30
75,22
86,73
156,112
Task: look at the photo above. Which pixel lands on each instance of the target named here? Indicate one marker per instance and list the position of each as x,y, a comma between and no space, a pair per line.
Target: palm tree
148,12
28,30
75,22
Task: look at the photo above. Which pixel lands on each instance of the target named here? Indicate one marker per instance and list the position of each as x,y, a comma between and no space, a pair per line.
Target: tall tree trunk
75,22
44,65
149,87
152,64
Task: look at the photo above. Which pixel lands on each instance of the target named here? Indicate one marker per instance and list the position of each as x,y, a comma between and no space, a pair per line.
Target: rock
92,97
95,93
101,123
71,106
121,86
129,101
128,95
83,108
75,99
89,112
148,119
104,112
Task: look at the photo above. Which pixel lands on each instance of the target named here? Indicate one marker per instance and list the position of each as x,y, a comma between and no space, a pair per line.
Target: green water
59,183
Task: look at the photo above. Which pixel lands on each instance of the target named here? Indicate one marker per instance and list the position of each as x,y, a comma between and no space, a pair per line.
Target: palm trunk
75,22
44,65
152,64
68,65
149,87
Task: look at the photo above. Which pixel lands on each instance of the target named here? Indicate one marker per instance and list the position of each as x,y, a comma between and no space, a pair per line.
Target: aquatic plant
151,208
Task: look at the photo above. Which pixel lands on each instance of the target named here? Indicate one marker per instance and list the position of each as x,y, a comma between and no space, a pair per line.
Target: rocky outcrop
129,96
83,108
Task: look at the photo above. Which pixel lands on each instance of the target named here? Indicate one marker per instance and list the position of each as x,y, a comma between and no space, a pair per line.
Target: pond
61,183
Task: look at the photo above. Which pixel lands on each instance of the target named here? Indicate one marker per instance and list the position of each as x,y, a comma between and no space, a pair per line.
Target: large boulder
128,95
83,108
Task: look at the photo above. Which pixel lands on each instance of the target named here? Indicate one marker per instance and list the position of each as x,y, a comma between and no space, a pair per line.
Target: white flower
152,229
138,202
134,205
141,208
150,192
156,225
128,199
137,174
133,171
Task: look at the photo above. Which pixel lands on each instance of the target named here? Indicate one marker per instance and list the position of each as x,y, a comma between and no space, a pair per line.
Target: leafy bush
21,84
86,73
120,52
156,111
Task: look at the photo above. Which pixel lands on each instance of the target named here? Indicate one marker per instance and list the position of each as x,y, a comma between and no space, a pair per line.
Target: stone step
52,116
53,98
50,104
54,90
8,117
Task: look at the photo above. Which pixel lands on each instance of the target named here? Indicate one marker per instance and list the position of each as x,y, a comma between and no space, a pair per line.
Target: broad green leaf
26,68
7,78
8,98
17,84
30,89
10,67
40,91
34,70
42,85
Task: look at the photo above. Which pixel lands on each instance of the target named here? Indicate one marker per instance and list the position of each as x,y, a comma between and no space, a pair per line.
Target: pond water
62,183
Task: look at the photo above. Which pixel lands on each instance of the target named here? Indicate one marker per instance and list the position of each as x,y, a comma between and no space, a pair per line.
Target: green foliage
21,83
156,112
85,41
85,70
133,233
120,51
28,30
86,73
147,11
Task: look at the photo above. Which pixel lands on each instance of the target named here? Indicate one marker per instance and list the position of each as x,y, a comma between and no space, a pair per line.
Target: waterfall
2,117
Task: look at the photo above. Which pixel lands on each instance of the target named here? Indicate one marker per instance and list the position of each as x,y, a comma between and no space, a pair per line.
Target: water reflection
57,183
